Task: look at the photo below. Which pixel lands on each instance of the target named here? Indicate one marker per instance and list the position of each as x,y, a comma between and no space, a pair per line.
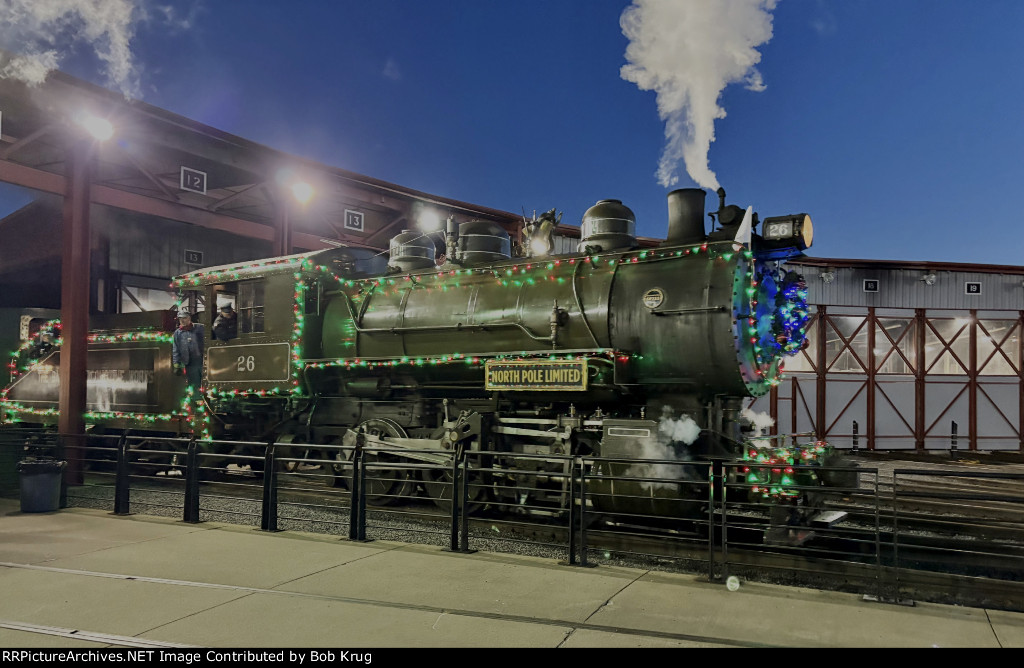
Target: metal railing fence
934,534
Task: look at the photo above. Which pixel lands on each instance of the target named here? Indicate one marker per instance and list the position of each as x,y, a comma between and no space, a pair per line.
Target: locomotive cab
253,357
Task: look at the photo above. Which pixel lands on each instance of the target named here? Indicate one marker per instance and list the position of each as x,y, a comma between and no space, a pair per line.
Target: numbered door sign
193,180
353,220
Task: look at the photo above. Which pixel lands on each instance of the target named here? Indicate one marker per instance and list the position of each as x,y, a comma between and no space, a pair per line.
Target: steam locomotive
468,339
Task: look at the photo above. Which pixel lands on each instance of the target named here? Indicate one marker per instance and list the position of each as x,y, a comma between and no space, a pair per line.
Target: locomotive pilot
187,349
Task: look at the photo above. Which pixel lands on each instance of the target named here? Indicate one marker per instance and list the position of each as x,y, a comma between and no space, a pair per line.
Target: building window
895,345
144,293
947,344
846,344
998,347
803,361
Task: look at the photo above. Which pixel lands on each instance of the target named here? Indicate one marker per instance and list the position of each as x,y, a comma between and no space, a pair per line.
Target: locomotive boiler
473,340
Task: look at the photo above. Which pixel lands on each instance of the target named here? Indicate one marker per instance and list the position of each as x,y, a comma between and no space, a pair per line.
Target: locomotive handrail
683,311
501,323
601,350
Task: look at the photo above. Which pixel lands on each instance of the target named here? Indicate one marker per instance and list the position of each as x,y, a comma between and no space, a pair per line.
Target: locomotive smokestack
685,216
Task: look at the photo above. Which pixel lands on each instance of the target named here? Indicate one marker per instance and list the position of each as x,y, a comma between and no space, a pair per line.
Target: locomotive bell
608,226
410,251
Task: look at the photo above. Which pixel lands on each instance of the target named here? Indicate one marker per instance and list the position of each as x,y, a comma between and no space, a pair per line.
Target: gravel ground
329,516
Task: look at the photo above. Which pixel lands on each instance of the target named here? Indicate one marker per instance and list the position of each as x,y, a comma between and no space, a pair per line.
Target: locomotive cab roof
350,262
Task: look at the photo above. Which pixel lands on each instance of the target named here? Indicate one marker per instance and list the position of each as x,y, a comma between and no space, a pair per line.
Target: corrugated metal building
907,355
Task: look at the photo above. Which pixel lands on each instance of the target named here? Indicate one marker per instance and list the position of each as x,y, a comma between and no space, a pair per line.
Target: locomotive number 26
246,363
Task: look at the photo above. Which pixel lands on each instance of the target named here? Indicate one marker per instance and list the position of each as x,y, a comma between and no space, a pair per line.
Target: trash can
40,484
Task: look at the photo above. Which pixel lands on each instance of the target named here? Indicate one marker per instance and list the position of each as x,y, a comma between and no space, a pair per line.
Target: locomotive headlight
786,235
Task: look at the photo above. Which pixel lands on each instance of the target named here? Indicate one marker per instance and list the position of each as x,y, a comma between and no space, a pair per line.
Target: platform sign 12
193,180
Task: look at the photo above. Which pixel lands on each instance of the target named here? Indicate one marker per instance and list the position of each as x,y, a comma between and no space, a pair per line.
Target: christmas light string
768,343
770,470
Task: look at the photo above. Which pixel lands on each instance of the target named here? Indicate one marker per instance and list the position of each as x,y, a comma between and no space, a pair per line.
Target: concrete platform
85,578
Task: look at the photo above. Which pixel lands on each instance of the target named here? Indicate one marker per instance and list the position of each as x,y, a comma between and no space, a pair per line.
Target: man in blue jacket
187,349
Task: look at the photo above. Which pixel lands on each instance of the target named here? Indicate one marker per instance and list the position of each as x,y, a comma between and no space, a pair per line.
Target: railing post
895,537
856,438
122,488
723,475
711,522
878,536
952,442
583,516
572,510
362,499
268,516
464,505
191,511
60,451
355,487
453,544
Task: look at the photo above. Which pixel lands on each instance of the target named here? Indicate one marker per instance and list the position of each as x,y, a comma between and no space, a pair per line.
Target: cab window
250,307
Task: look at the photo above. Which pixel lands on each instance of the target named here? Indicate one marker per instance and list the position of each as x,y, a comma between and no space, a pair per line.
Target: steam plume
671,433
761,421
688,52
44,31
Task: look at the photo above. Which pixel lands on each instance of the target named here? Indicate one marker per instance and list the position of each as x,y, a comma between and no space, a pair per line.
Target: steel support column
919,379
795,386
819,408
870,363
1020,374
972,383
283,231
74,301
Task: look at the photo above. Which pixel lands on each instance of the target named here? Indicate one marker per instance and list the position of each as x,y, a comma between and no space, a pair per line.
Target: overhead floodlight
288,178
302,191
100,128
428,220
928,279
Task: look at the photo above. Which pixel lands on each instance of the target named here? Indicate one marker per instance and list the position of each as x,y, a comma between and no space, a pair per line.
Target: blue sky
898,125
